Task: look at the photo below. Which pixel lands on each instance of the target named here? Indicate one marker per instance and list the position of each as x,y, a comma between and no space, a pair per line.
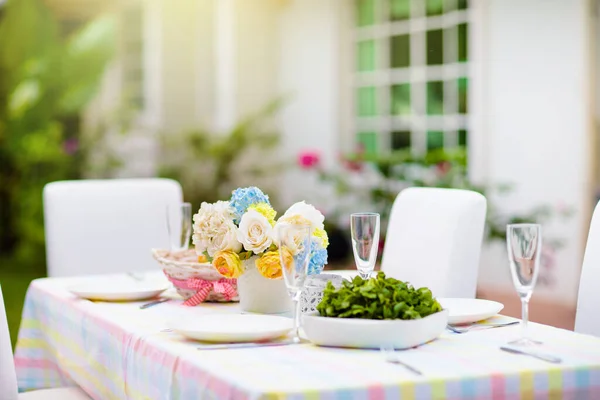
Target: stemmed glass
179,226
365,241
294,254
524,242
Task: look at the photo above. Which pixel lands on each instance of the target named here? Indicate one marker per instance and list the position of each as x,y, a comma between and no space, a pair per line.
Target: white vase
262,295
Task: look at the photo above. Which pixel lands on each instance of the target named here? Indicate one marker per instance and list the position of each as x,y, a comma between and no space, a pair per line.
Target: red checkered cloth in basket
225,286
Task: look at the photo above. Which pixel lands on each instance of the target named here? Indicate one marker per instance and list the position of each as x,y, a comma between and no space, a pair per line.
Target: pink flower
70,146
308,159
443,167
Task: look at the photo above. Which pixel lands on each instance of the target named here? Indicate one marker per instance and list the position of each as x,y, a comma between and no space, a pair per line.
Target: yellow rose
228,264
269,264
321,235
266,210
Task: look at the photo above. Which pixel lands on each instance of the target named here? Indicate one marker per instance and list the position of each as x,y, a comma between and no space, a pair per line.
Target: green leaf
377,298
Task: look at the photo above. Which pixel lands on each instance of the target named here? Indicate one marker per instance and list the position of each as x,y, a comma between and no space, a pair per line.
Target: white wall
309,67
534,119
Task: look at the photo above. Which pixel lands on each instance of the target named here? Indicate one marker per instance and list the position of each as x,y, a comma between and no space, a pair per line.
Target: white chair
106,226
8,377
587,319
434,239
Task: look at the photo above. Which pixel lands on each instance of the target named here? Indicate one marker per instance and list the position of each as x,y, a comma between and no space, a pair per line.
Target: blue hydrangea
243,198
318,259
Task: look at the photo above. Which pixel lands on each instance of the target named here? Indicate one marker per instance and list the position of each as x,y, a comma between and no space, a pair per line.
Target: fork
486,326
392,357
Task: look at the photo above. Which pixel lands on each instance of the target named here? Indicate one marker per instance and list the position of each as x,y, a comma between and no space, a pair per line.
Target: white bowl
373,334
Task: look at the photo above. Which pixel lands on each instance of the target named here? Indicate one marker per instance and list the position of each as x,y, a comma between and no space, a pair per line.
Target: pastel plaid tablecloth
118,351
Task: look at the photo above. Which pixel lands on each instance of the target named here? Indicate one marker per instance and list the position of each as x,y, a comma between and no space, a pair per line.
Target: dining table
116,350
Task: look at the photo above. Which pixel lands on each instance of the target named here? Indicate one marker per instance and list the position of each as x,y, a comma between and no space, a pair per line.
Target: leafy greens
377,298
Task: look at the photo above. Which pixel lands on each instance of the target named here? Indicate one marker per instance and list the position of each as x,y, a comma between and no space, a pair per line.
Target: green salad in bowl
375,312
377,298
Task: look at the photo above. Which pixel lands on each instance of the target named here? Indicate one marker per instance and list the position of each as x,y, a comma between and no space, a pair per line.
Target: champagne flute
365,241
524,243
294,253
179,226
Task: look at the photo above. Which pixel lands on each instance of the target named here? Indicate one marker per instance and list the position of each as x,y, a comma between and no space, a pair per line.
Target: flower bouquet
239,237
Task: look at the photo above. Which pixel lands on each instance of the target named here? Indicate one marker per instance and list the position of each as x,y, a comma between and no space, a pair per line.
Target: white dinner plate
348,274
373,334
233,327
118,290
466,311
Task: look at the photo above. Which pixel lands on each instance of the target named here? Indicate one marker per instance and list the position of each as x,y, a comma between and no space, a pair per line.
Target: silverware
153,303
391,356
221,346
466,329
541,356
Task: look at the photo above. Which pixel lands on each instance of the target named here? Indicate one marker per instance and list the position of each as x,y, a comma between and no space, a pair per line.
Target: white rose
292,236
255,232
306,211
214,229
225,239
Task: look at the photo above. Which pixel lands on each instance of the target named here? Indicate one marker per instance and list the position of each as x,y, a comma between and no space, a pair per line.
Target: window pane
366,55
435,98
365,12
435,7
435,47
369,142
463,4
400,51
400,99
400,140
399,9
449,5
367,101
463,47
435,140
463,95
462,138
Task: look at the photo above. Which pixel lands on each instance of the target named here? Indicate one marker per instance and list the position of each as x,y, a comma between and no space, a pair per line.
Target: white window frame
416,75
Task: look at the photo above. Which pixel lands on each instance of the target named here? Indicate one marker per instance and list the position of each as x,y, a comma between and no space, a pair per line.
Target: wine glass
179,226
524,242
294,254
365,241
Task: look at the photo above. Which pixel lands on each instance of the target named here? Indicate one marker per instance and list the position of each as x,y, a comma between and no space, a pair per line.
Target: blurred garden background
340,102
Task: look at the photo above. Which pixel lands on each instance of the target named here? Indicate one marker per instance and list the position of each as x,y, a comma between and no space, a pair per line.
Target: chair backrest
8,376
434,239
106,226
587,319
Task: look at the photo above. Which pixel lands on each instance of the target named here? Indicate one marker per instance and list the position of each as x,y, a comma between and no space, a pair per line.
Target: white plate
348,274
119,290
233,327
466,311
365,333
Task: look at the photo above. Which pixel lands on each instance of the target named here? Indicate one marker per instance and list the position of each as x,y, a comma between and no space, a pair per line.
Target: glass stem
525,317
296,305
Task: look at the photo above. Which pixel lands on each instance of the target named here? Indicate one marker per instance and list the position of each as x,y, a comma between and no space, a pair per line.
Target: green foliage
439,168
209,165
45,80
377,298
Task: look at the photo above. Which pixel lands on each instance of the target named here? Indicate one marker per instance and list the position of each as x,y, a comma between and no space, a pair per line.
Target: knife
153,303
535,354
221,346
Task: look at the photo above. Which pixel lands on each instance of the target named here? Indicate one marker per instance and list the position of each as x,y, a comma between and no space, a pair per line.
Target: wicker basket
183,270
